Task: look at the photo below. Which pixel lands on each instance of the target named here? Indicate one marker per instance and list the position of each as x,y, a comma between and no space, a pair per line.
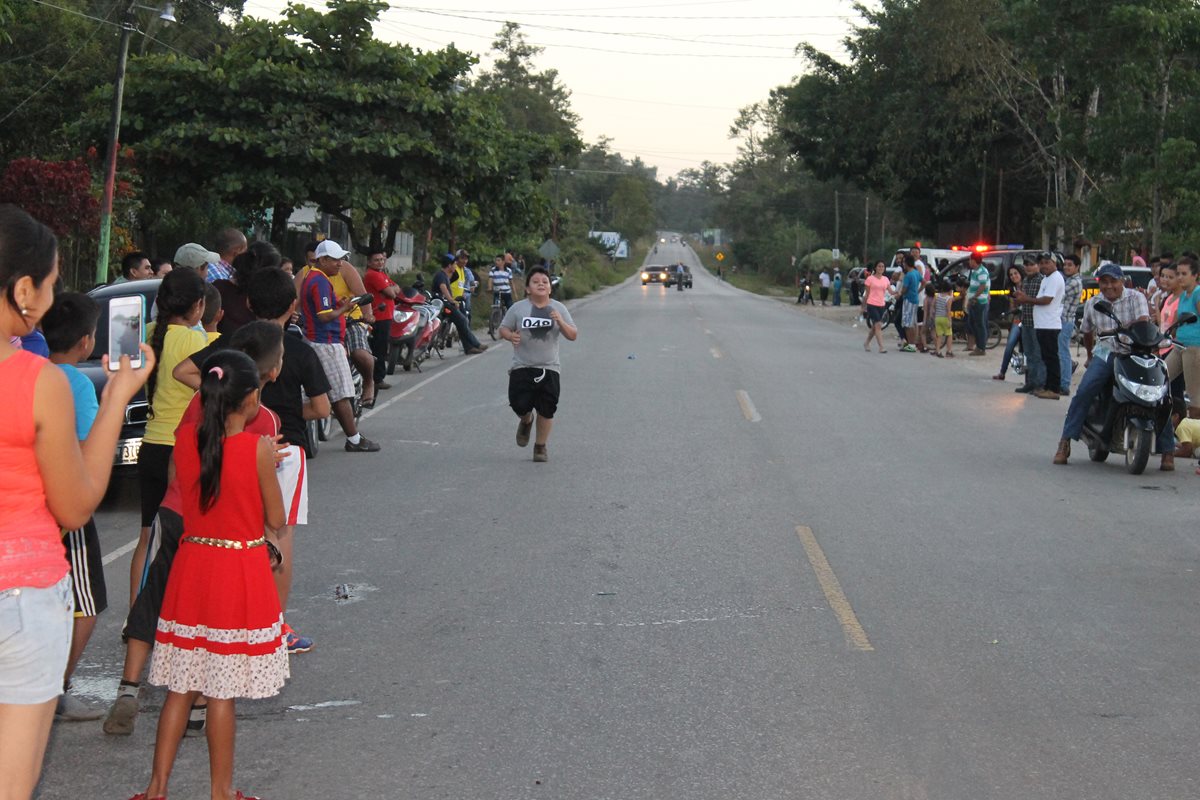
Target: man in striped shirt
1073,290
500,281
325,328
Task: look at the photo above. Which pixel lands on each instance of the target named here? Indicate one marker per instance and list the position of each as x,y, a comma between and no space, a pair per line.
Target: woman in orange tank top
51,482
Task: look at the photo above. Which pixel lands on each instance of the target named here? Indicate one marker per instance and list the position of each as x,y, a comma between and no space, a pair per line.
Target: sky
663,79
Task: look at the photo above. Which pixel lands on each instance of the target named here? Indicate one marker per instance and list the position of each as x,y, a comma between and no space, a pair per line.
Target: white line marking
748,409
120,551
716,353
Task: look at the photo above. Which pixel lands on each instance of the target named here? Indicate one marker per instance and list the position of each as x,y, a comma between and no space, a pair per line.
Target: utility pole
982,195
110,161
866,226
837,220
999,201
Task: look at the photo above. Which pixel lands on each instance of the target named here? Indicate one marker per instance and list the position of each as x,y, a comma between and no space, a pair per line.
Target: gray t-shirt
539,334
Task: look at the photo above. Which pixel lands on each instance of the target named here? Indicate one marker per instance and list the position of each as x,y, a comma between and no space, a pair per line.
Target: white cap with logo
332,249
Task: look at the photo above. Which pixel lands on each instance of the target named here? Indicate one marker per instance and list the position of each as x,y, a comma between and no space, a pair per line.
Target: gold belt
228,544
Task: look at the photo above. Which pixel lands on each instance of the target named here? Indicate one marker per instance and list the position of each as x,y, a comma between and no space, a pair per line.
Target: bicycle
499,307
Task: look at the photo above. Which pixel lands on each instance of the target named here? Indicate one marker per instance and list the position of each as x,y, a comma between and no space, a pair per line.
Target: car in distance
136,412
656,273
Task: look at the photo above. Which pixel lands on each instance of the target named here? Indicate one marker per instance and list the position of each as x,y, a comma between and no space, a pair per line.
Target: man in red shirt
384,290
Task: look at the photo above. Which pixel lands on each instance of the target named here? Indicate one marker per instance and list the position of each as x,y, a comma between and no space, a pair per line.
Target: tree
633,214
59,195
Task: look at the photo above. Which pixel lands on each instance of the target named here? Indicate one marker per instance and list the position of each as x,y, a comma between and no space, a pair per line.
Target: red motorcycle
415,327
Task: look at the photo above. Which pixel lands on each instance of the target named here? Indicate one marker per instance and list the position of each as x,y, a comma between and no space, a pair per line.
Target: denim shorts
35,637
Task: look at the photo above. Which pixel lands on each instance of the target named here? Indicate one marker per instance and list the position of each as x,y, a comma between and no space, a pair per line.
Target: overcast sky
664,79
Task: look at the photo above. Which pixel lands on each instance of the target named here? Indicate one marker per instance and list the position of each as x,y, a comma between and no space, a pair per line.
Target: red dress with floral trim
220,628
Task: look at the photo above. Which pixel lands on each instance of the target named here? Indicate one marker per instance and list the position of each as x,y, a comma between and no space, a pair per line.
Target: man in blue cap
1128,307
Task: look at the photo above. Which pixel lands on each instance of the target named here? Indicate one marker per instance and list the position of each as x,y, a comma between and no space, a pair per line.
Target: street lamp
114,132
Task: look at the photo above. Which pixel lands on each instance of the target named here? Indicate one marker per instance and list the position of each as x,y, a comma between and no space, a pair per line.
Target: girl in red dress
219,632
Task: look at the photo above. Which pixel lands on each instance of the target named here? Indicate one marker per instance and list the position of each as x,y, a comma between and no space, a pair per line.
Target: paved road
761,563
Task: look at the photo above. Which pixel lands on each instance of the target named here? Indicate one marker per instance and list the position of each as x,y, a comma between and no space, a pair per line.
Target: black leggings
381,338
154,461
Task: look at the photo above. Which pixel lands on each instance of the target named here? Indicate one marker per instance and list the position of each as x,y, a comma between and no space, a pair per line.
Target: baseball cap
1045,255
195,256
460,253
1110,271
448,258
332,249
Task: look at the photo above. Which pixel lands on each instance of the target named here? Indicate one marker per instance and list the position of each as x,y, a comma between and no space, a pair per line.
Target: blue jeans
1035,370
837,294
1095,380
469,342
1064,354
977,324
1014,336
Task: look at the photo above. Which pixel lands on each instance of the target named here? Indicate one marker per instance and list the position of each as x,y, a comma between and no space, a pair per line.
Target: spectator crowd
243,351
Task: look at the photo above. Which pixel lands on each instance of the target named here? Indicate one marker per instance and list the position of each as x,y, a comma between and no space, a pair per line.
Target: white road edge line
120,551
748,410
716,353
129,546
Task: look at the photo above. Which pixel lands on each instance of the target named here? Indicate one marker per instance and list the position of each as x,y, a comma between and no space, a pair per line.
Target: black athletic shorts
87,570
143,616
533,389
154,461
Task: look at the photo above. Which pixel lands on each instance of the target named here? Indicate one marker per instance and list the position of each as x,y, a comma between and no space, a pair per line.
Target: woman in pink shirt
876,301
51,482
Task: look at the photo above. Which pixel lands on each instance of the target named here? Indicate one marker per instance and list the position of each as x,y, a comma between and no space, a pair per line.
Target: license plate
127,452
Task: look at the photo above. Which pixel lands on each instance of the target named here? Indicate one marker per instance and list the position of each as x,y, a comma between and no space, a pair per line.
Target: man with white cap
195,257
325,328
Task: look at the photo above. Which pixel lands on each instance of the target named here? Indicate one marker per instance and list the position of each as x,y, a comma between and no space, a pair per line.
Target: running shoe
364,445
122,716
297,643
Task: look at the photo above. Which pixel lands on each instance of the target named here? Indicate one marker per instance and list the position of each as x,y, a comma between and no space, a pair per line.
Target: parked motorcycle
408,321
1126,418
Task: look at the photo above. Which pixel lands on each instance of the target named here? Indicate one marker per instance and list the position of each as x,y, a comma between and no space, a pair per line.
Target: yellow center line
748,410
856,637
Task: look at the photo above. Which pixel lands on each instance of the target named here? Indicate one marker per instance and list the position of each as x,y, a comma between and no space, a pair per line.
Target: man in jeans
1072,291
978,296
911,293
1035,370
442,280
1129,306
1047,322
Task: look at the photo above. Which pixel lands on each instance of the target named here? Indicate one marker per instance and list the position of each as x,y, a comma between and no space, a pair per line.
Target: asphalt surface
760,564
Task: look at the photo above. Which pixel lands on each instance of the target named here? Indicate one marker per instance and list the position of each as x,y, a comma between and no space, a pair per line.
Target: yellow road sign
720,256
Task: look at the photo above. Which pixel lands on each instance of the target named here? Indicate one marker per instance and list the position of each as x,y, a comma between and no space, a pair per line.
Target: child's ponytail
226,378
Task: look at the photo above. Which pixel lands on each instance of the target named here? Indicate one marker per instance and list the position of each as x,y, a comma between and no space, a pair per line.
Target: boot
1064,451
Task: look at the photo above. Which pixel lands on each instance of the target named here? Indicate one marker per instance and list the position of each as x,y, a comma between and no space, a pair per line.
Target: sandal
949,355
939,355
997,377
142,796
367,403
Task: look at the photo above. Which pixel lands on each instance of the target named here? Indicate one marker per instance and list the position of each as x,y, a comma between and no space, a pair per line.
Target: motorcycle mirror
1186,318
1104,307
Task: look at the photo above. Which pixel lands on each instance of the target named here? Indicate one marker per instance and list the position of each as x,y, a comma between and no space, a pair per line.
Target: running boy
533,325
70,330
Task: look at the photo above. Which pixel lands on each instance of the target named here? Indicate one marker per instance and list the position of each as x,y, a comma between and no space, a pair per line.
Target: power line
70,58
543,13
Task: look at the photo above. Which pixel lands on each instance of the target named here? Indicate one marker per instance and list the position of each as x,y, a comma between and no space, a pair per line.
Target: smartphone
126,330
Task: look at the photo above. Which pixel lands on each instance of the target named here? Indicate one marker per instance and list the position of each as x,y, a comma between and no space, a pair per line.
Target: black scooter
1127,418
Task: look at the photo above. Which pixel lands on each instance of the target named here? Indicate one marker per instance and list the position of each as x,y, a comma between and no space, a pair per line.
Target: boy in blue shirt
70,330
